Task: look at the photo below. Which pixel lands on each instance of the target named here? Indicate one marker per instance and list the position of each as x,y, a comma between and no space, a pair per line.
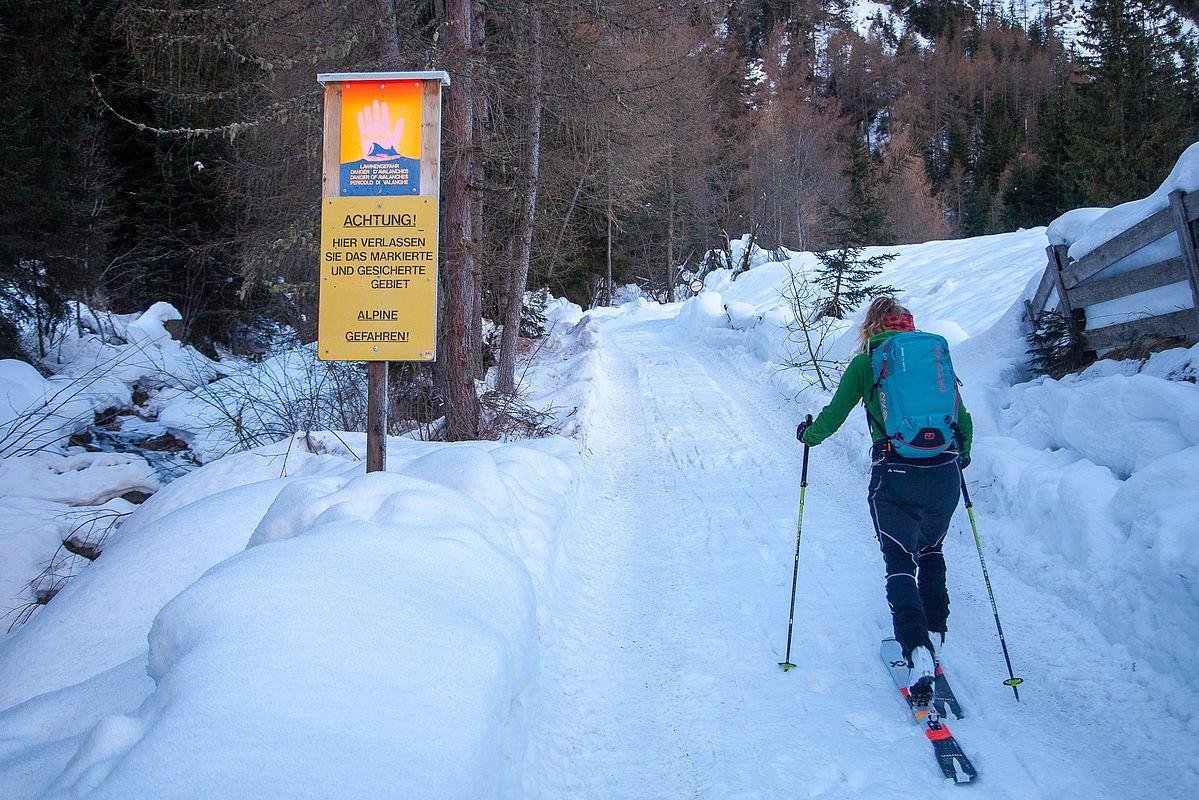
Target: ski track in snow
660,673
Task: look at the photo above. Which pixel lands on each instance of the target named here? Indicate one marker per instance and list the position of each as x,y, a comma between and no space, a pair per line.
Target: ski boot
923,676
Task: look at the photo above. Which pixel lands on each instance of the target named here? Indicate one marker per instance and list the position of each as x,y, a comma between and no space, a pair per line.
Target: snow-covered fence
1071,280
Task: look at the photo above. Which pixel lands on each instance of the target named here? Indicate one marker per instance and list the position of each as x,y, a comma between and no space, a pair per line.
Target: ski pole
803,487
1012,680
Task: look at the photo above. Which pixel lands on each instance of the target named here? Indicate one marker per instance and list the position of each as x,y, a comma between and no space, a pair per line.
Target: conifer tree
46,140
1036,190
846,275
1132,114
1054,347
859,220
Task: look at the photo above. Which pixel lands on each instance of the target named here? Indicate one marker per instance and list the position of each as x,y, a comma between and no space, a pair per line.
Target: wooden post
1186,242
1076,316
1040,297
331,151
376,416
1058,252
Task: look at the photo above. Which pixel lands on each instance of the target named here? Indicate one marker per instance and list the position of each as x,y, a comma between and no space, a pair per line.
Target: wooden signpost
380,177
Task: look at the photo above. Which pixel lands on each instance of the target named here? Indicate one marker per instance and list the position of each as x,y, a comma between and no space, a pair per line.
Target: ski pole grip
966,494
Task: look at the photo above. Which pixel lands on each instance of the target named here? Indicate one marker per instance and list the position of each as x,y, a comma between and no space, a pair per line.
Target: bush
1055,346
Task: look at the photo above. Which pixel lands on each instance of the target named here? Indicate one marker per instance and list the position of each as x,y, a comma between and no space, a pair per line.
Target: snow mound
150,328
36,413
705,310
307,626
338,635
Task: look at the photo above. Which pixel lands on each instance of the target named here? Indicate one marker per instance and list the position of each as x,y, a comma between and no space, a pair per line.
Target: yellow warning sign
378,298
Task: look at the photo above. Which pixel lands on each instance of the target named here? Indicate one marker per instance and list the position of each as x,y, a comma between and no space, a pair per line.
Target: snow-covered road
659,672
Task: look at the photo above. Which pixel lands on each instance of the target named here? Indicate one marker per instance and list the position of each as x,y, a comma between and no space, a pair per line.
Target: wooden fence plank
1186,243
1190,204
1145,232
1048,281
1178,323
1162,273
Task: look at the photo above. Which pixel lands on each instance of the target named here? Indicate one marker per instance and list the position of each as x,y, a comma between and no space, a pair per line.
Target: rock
83,548
166,442
81,439
107,418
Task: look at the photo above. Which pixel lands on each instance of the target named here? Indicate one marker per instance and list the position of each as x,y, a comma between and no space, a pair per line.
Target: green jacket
855,387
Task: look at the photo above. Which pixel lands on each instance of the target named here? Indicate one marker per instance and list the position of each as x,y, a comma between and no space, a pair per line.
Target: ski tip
786,665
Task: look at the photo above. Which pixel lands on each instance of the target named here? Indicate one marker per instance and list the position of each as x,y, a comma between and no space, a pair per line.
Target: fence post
1058,253
1186,242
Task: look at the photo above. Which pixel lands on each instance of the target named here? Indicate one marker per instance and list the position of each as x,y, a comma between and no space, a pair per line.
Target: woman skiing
911,499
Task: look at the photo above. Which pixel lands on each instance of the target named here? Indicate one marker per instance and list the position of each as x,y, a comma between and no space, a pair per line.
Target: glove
803,426
964,460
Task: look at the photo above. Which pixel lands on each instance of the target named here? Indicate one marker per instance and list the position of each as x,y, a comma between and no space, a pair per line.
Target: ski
944,700
952,760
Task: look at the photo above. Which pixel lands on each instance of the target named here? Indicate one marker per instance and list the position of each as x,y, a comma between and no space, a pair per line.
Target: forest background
162,150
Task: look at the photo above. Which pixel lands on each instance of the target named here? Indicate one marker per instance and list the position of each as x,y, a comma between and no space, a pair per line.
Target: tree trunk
608,288
455,374
389,47
520,272
669,225
478,58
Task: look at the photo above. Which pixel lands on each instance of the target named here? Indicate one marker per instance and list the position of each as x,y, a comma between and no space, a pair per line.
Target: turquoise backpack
918,393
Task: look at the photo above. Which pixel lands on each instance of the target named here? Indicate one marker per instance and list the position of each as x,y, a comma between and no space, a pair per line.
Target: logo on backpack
917,393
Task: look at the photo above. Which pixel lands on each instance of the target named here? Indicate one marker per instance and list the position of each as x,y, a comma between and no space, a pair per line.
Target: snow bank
116,353
1073,225
48,495
705,310
308,627
311,659
150,328
36,413
1093,477
956,288
51,490
561,376
76,478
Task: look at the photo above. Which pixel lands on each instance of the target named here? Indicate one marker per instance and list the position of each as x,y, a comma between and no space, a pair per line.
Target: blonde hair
883,308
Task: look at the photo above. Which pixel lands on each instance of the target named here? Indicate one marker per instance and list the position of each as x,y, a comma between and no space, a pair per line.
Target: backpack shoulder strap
877,376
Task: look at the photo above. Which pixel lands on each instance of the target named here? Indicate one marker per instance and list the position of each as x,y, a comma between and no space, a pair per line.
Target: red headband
899,321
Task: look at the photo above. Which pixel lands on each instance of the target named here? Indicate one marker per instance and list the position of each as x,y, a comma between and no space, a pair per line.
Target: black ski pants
911,504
